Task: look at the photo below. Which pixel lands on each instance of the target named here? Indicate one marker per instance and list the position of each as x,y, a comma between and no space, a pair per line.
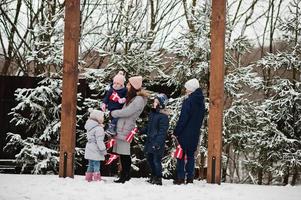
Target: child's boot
96,176
89,176
111,130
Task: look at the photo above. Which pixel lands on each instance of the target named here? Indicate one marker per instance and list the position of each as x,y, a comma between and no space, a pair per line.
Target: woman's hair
131,94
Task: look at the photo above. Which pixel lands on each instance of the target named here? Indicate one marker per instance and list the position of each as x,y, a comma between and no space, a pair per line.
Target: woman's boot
121,179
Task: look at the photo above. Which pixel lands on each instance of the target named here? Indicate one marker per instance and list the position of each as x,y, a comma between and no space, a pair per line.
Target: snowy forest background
167,42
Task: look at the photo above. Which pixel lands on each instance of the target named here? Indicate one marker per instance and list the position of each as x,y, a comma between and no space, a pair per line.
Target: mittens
103,107
122,100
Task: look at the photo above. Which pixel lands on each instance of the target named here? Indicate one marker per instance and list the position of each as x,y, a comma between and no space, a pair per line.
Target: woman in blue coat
187,130
156,131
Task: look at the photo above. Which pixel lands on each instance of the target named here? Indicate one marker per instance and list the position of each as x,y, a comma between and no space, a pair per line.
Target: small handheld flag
131,134
111,159
179,152
110,143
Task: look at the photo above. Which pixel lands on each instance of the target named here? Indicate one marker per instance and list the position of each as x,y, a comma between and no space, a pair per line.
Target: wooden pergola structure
70,80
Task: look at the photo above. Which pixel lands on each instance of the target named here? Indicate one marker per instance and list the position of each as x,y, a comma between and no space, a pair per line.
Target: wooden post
216,91
70,79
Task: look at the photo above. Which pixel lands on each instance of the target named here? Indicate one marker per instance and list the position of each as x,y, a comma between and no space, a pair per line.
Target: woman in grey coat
135,102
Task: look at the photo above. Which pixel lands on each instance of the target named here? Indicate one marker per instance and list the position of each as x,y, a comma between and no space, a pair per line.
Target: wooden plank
216,91
70,79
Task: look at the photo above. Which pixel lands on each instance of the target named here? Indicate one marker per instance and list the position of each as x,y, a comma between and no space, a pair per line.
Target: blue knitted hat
163,100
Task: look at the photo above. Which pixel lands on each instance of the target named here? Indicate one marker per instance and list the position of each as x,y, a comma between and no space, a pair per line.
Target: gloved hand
122,100
108,136
103,107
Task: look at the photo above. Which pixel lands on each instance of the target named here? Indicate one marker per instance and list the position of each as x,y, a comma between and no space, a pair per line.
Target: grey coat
127,117
95,147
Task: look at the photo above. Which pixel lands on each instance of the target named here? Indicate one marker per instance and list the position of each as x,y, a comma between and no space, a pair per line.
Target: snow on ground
44,187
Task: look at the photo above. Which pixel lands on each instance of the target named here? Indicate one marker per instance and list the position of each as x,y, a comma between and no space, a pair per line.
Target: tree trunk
295,176
224,169
286,176
231,164
152,24
203,171
236,164
8,57
270,178
260,175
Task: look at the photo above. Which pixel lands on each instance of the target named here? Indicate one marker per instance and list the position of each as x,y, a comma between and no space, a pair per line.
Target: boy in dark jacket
114,100
156,131
187,130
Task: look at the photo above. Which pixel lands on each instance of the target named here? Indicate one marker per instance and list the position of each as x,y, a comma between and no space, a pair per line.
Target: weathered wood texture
70,80
216,91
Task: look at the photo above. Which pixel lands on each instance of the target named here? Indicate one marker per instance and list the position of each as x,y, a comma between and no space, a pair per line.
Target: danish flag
110,143
179,152
114,97
111,159
131,134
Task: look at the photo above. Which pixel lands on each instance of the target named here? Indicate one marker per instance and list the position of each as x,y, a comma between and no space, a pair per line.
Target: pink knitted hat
119,78
136,82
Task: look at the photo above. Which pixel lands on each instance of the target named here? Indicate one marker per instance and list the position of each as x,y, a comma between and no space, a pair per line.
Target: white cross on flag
131,134
111,159
110,143
114,97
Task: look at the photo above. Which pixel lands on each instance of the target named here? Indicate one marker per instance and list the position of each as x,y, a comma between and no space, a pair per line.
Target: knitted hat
162,99
96,115
136,82
119,78
192,85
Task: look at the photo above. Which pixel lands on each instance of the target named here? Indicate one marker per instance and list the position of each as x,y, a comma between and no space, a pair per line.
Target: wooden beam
216,91
70,79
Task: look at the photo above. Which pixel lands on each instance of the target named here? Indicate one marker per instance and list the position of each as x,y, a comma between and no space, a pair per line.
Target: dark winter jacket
156,131
190,121
112,105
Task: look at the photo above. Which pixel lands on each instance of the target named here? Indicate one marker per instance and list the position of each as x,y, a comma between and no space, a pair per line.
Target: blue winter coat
190,121
112,105
156,131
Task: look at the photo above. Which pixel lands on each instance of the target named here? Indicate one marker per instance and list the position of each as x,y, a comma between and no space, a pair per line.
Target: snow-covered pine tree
38,114
239,119
284,108
192,50
282,104
46,46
